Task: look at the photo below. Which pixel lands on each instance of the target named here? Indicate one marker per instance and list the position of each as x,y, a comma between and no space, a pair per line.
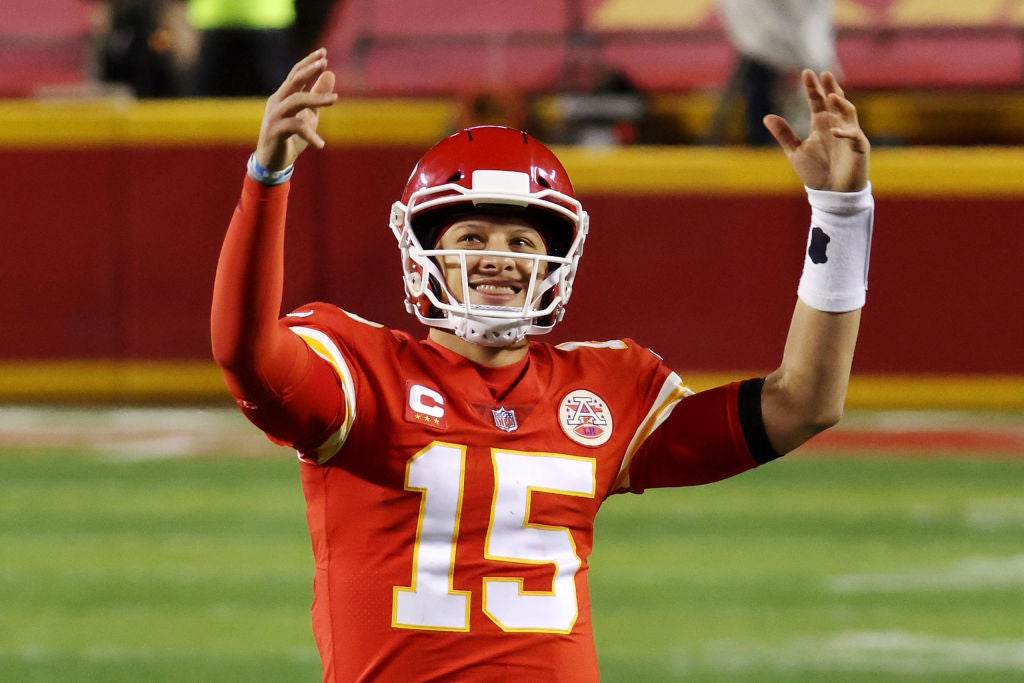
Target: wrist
835,275
266,177
840,202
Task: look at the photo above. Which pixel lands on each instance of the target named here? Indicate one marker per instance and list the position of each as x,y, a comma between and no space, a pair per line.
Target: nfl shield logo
505,420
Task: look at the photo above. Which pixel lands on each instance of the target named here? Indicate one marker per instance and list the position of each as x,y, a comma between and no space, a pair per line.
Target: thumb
324,83
782,132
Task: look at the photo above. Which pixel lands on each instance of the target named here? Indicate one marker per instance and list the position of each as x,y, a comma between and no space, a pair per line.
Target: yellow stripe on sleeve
323,346
672,391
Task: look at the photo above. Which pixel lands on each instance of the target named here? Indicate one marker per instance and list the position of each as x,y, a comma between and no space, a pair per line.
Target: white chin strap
489,331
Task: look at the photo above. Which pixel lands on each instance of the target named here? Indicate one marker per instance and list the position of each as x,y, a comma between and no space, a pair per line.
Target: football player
452,481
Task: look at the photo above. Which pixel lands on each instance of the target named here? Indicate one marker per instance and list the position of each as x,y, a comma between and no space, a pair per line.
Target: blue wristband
262,175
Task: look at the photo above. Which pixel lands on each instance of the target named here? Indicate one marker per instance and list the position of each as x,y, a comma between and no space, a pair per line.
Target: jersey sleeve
703,438
307,413
317,326
279,382
357,354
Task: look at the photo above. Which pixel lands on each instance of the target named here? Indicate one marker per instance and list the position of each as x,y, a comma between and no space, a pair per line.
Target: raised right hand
293,112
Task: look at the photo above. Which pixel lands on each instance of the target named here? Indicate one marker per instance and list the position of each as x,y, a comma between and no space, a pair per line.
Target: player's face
494,280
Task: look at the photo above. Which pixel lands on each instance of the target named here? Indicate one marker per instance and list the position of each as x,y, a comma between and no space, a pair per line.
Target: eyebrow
470,223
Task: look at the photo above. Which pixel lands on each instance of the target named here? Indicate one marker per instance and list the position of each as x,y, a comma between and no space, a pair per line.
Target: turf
816,568
162,570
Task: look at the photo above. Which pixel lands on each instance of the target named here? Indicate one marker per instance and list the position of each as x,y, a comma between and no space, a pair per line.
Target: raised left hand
835,155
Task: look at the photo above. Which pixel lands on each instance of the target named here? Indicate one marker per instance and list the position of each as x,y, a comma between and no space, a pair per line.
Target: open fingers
299,112
291,117
309,85
825,94
304,71
302,126
815,91
830,84
846,124
842,106
305,99
301,93
320,94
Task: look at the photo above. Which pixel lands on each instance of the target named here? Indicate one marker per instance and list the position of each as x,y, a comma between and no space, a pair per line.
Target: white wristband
835,276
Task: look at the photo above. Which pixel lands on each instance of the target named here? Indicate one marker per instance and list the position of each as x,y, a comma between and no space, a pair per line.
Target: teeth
497,289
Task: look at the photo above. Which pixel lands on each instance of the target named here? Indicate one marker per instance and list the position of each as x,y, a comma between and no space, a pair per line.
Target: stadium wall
114,213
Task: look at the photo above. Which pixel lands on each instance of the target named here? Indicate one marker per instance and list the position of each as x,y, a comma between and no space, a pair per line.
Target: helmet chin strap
488,331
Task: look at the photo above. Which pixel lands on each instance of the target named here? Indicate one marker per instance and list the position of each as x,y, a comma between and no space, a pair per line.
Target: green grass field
118,563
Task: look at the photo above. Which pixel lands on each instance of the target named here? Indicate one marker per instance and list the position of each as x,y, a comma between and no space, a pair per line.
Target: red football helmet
489,170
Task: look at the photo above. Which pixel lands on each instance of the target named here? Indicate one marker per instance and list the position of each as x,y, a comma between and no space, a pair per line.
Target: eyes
477,241
522,239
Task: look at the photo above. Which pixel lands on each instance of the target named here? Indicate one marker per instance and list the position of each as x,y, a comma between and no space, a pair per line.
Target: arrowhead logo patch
585,418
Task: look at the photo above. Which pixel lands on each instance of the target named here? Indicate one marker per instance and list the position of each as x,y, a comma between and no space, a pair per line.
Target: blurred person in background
452,481
612,112
147,45
490,107
774,40
246,46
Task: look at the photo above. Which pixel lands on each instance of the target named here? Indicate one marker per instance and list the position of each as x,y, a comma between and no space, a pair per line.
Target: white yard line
966,574
934,420
134,433
882,652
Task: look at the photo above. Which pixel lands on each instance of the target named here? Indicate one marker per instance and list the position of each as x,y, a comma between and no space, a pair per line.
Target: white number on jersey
431,602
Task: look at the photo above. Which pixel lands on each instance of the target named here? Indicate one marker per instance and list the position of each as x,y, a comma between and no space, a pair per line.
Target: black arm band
752,421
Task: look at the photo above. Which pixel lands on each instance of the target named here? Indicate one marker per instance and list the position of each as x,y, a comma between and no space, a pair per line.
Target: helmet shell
470,159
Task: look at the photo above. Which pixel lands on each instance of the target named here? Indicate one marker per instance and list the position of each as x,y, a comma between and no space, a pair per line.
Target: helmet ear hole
414,279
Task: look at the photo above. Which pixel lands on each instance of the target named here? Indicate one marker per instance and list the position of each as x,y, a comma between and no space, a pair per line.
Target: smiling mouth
496,291
496,288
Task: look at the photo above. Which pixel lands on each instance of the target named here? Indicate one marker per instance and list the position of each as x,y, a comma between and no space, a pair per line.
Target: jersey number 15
431,602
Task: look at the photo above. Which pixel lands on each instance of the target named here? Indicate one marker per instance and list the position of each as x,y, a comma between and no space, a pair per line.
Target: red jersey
452,509
451,505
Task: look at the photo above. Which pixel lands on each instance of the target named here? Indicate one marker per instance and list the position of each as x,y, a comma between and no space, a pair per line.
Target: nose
494,262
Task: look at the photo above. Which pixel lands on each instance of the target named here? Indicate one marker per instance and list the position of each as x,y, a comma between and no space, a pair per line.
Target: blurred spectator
245,45
146,45
612,112
775,39
486,107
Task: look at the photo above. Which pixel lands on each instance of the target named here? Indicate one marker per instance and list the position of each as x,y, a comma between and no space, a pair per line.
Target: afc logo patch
425,406
585,418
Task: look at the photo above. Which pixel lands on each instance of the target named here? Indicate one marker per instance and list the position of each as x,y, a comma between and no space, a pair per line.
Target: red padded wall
110,253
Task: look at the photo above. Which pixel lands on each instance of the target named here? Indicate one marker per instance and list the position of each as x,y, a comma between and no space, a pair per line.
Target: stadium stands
440,48
664,45
927,71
